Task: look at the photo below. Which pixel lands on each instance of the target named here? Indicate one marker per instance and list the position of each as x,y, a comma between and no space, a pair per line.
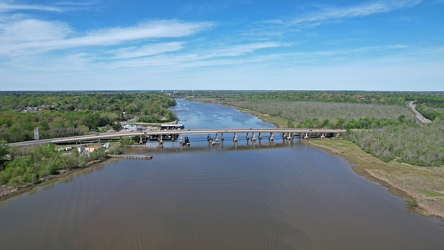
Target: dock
145,146
135,157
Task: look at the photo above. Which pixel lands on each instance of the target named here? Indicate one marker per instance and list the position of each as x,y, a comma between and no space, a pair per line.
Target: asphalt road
418,115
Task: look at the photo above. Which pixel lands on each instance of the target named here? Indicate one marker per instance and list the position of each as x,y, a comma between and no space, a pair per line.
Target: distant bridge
251,133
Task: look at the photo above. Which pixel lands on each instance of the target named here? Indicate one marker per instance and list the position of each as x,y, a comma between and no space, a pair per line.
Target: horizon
365,45
226,90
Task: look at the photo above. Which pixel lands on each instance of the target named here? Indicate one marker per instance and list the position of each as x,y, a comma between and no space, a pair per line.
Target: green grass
432,193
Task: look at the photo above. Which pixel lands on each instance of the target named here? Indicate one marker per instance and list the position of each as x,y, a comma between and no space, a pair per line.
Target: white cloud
54,34
147,30
197,59
237,50
32,30
147,50
11,7
367,9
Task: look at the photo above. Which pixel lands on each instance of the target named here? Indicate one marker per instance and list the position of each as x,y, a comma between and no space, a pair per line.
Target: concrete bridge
215,133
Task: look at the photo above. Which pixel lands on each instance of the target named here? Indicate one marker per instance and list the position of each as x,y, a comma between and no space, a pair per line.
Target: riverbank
7,192
422,188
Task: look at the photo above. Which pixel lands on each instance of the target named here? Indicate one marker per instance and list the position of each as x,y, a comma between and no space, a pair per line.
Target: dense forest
421,145
30,165
331,115
378,122
430,99
59,114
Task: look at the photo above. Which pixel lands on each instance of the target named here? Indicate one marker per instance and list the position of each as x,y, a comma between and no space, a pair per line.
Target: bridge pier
235,137
260,136
247,137
253,137
323,135
222,136
290,136
271,138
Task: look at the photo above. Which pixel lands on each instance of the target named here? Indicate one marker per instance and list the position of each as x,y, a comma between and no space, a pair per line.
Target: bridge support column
260,136
141,139
222,136
271,138
216,137
306,136
248,137
290,136
253,137
235,137
323,135
180,140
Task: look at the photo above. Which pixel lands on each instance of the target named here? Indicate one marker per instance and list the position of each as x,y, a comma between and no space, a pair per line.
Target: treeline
331,115
59,114
31,165
413,144
109,101
432,99
430,113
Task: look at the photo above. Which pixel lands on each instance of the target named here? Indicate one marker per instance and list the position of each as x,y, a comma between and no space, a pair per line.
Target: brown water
244,196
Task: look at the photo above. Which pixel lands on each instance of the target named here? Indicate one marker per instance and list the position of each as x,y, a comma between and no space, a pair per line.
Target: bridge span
251,133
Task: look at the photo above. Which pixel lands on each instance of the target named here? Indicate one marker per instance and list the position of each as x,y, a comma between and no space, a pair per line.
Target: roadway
168,132
418,115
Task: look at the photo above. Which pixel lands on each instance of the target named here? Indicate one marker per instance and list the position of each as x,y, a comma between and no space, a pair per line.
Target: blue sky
239,45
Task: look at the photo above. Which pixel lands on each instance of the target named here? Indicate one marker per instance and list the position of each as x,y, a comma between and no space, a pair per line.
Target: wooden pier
136,157
145,146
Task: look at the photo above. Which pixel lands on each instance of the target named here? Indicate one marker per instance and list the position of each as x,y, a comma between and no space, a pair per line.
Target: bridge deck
186,131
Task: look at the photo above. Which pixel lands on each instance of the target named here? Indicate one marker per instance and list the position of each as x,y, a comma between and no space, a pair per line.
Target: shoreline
414,184
7,192
378,171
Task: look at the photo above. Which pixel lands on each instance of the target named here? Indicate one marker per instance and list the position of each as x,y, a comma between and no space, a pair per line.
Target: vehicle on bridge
172,127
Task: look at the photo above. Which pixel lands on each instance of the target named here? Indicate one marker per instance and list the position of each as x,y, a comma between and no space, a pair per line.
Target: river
262,195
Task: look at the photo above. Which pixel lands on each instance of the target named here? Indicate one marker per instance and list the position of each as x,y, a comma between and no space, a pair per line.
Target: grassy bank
421,187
